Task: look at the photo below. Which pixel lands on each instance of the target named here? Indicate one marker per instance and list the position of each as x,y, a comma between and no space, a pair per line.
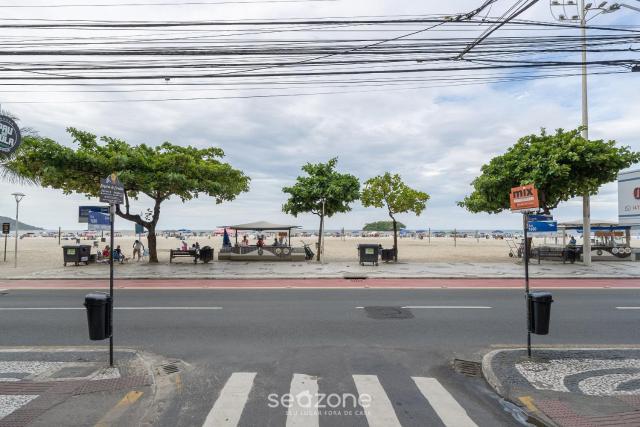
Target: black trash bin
98,315
540,306
206,254
76,254
387,255
369,253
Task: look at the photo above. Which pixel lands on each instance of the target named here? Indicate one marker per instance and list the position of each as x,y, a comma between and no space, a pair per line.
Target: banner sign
139,229
10,137
98,221
629,198
111,190
83,212
524,198
542,226
6,227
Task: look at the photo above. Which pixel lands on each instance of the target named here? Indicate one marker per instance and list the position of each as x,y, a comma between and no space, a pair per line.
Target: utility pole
586,198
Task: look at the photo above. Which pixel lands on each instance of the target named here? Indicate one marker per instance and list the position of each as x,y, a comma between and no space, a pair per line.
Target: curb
536,418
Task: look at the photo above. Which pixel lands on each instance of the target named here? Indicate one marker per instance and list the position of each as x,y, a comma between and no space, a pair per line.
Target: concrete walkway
309,270
570,387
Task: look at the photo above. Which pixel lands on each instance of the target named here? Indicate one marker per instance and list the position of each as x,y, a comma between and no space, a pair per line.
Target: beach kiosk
266,251
609,240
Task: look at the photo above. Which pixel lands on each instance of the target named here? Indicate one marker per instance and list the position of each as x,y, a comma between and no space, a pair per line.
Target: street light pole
18,197
586,198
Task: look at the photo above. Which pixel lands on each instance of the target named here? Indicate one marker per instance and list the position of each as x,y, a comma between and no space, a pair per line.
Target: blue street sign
83,212
540,217
98,221
542,226
139,229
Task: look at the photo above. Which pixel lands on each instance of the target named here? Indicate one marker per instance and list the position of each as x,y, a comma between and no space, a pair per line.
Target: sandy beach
42,253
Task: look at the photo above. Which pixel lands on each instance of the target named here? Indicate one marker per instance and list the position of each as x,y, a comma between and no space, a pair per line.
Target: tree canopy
390,192
322,185
159,172
561,166
382,226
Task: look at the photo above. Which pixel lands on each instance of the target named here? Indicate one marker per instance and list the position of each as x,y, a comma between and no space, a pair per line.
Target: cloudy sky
437,138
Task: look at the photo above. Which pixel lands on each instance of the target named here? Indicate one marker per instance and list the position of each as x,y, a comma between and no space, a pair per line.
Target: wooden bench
548,252
178,253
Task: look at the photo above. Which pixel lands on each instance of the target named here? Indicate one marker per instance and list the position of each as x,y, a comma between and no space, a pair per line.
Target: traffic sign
540,217
6,227
83,212
524,198
99,221
542,226
111,190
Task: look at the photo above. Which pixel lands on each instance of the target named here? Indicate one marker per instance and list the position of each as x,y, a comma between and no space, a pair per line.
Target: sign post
525,199
111,192
6,228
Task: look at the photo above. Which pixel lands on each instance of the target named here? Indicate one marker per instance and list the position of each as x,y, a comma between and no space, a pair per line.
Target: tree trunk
320,237
151,244
395,240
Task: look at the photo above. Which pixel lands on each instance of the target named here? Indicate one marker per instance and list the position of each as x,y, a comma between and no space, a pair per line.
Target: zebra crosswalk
304,402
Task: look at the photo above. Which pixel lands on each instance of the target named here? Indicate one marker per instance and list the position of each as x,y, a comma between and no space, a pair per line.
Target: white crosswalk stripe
304,412
304,409
379,412
447,408
228,408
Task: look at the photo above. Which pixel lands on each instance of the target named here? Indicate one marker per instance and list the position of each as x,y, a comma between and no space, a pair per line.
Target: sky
436,138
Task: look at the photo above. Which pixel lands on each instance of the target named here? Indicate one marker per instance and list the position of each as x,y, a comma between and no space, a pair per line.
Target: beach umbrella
225,239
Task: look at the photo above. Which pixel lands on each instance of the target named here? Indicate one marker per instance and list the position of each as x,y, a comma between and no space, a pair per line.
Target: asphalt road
333,336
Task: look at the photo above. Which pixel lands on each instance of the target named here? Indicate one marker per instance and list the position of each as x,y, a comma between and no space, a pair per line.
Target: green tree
561,166
323,192
389,191
158,172
382,226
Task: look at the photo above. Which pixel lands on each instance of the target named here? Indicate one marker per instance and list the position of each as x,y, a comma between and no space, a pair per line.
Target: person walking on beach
138,248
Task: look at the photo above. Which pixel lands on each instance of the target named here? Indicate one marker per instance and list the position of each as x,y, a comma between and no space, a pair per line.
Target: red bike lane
334,283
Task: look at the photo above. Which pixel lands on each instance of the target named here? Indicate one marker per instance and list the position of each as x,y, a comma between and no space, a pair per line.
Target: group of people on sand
139,252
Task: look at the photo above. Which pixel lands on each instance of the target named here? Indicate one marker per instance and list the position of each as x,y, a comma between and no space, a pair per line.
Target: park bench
549,252
178,253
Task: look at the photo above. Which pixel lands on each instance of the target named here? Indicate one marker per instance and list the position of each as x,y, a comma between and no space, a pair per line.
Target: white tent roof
262,225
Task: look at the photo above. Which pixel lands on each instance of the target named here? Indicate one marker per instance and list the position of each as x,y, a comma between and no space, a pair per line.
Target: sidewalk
588,387
75,386
312,270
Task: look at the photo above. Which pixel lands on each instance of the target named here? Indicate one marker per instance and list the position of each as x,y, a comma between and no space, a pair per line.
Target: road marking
528,402
628,308
303,411
455,307
115,308
447,408
230,404
118,410
380,411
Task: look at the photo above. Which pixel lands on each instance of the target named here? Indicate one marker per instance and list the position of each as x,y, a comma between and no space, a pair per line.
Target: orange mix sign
524,198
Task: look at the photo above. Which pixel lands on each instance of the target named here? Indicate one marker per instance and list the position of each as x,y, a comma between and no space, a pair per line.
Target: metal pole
5,247
429,235
455,237
586,200
322,236
15,256
525,258
111,212
59,234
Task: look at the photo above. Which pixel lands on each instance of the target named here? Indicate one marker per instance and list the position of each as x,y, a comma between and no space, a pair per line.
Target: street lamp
582,19
18,197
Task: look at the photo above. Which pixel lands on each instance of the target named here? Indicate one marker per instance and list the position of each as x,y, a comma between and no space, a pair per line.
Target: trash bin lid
541,296
368,245
96,298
